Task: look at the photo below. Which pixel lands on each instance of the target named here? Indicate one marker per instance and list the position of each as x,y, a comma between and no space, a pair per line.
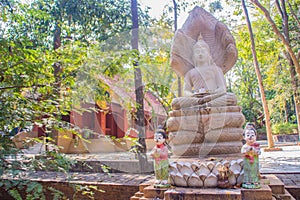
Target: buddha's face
201,53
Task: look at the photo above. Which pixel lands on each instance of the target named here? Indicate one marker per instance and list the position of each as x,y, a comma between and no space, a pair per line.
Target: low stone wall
115,166
105,191
100,145
286,138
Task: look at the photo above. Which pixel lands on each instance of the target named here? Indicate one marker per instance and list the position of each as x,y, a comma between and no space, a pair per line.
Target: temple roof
124,95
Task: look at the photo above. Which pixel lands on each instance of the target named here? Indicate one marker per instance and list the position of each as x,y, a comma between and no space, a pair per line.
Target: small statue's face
201,54
159,138
250,136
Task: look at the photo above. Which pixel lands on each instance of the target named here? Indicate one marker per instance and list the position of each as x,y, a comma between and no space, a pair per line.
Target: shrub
283,128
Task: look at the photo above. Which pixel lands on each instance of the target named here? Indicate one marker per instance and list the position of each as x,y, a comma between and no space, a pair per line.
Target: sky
157,7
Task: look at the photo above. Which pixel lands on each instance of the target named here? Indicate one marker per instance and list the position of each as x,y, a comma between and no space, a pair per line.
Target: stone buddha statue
204,84
205,77
206,120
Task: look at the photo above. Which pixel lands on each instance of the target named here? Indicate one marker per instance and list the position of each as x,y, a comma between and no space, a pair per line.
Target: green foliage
38,86
52,160
29,89
158,77
246,89
86,190
57,195
284,128
15,194
84,21
13,169
214,6
30,86
157,74
275,73
262,130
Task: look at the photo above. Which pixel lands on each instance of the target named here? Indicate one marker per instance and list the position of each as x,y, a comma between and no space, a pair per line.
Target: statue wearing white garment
204,84
206,120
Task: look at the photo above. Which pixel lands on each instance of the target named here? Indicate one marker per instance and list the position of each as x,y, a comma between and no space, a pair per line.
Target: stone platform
272,188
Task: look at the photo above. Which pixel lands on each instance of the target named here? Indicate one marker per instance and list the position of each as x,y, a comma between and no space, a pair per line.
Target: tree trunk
57,71
295,81
179,85
260,83
57,65
57,36
295,85
138,90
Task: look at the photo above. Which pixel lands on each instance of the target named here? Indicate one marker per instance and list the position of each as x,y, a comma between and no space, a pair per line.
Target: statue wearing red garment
160,155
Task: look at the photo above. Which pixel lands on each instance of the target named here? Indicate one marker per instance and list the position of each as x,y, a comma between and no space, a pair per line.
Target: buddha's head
201,52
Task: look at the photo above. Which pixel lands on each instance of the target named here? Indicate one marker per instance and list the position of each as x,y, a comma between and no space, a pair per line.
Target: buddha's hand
204,99
187,93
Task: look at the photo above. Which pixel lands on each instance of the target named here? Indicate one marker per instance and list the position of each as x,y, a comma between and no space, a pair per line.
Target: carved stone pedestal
198,131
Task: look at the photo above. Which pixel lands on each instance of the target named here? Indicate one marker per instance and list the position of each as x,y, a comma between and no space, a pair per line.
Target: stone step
276,185
203,194
139,194
142,186
278,188
151,192
263,193
286,196
294,191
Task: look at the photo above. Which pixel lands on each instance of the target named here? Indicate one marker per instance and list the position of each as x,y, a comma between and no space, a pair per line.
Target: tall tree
179,92
260,82
279,34
85,21
139,94
286,40
281,6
